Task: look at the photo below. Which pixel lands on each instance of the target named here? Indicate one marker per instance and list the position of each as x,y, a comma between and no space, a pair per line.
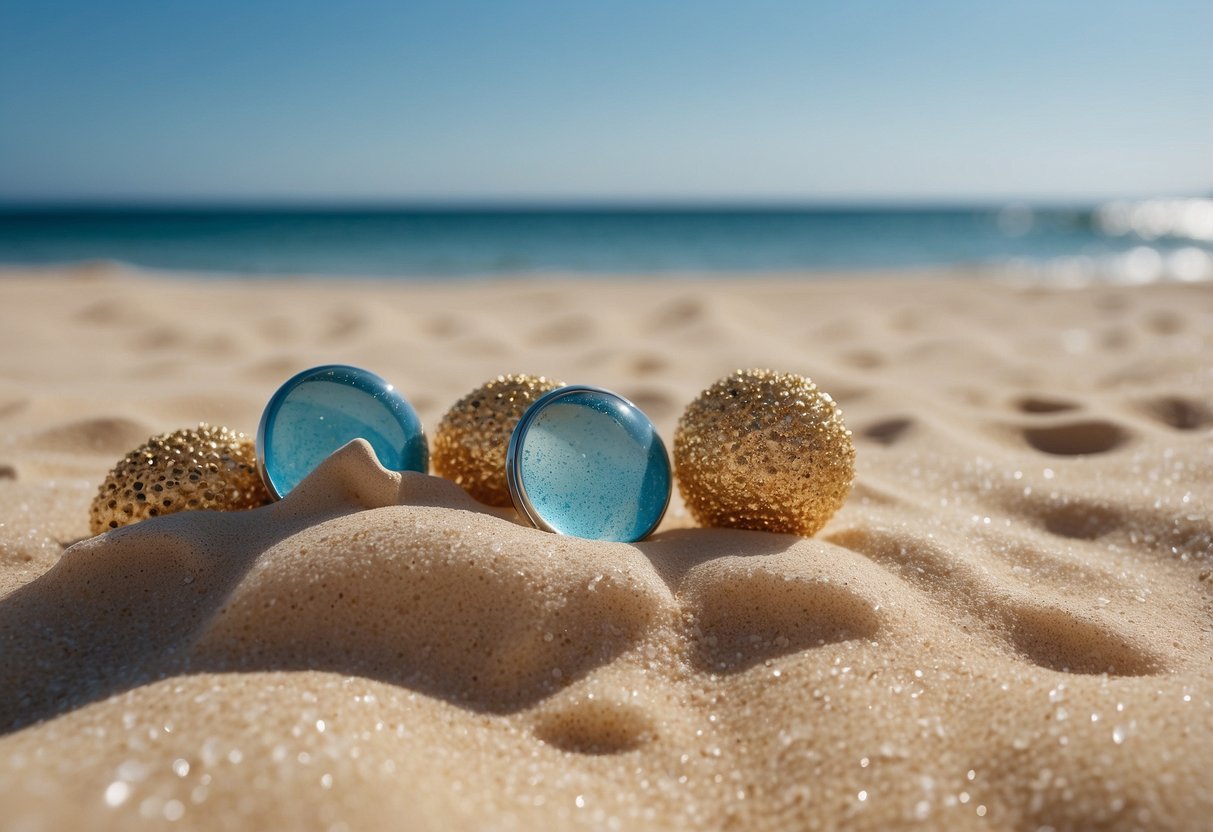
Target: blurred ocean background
1143,241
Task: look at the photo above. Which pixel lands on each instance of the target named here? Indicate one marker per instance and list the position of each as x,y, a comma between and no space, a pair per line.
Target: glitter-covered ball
469,446
186,470
764,450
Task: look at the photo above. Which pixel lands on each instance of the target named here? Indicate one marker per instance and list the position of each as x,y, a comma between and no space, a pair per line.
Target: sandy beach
1007,626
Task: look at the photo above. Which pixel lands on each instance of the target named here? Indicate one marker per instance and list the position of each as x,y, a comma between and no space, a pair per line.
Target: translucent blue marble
324,408
587,462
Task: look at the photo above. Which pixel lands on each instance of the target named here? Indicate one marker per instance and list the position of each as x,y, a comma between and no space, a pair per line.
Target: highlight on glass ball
764,450
470,443
587,462
319,410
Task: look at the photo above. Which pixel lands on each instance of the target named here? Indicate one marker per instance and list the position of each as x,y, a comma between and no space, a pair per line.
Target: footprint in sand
1179,412
888,431
1045,404
113,436
594,723
753,614
1079,519
1060,640
1078,438
1033,630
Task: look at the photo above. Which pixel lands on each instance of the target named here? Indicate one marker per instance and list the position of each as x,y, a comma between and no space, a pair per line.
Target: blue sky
624,100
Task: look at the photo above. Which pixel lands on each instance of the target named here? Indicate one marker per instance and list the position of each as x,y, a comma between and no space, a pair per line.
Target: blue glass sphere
586,462
321,409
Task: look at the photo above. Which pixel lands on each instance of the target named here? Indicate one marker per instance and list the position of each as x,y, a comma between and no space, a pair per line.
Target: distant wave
1152,219
1129,242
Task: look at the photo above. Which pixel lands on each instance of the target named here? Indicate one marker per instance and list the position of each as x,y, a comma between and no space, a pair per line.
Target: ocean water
1157,239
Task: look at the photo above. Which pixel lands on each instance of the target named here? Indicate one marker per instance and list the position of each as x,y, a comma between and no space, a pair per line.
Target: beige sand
1006,627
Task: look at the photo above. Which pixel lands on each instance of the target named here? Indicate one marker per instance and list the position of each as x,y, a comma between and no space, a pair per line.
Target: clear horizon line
541,203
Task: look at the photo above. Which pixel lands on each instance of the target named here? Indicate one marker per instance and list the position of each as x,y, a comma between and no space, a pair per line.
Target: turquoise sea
1139,241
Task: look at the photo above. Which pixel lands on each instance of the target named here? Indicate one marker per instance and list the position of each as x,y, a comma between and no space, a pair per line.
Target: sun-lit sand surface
1008,625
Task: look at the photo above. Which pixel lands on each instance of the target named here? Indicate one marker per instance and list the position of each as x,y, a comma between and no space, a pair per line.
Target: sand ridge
1007,626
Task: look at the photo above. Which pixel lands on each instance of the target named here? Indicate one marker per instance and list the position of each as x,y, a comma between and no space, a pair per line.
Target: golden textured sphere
764,450
186,470
469,446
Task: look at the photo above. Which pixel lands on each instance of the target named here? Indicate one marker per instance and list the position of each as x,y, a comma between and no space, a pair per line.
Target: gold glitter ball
186,470
469,446
764,450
